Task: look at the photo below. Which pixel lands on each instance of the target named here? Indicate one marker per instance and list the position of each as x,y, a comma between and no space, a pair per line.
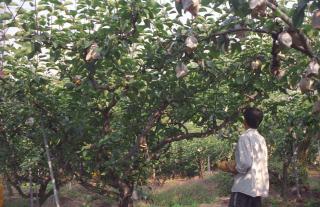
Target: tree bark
42,196
153,175
284,189
201,167
9,188
126,190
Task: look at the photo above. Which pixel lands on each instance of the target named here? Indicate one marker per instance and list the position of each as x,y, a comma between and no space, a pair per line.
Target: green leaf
236,47
6,1
37,47
205,2
240,7
5,16
235,4
298,14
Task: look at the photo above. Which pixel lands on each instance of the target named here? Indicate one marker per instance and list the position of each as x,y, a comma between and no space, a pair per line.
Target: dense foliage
112,84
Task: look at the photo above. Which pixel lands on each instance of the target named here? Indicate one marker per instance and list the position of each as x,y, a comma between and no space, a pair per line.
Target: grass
191,193
76,196
224,182
184,196
314,181
16,203
185,193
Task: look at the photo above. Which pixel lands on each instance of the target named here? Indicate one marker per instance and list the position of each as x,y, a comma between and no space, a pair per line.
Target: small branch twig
9,10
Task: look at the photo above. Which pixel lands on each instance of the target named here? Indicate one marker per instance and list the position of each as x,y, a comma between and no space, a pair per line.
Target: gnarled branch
152,120
203,134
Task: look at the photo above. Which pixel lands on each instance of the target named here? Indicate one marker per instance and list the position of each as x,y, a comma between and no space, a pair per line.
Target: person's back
251,180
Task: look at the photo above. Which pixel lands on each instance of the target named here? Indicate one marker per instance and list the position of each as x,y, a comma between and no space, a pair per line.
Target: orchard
113,94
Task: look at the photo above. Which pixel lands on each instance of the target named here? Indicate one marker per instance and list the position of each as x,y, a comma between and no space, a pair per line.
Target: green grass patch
224,182
19,202
193,193
313,203
314,184
273,202
184,195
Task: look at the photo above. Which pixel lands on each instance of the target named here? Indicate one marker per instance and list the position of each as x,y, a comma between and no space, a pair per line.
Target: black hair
253,117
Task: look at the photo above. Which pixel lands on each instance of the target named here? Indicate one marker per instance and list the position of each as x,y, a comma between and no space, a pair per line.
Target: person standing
250,169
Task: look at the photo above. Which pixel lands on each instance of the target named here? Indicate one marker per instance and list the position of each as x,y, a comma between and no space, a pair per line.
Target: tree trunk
153,176
9,188
126,190
284,190
42,196
209,165
201,167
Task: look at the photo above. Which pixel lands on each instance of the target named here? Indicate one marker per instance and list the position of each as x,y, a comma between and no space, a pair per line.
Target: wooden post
45,140
209,164
30,188
296,173
37,194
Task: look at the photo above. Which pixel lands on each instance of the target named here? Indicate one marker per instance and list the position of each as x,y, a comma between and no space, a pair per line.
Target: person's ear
245,123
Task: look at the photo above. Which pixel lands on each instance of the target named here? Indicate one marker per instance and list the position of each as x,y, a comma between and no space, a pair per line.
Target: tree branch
282,15
133,20
106,113
15,183
305,40
307,50
206,133
95,84
99,190
306,45
302,50
152,120
9,10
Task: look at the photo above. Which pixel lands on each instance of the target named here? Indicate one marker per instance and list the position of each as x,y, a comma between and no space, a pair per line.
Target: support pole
45,140
30,188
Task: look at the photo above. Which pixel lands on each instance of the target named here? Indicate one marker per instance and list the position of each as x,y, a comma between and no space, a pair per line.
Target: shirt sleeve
243,155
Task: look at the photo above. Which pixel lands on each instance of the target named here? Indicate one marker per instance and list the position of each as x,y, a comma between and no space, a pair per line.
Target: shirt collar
251,130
